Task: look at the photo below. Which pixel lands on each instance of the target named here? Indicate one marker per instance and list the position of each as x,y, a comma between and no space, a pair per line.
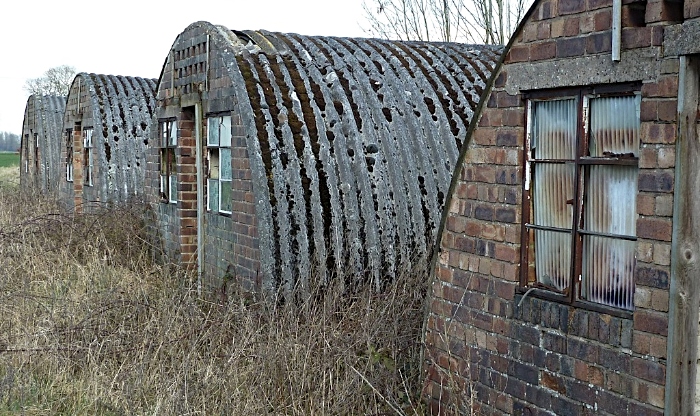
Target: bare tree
467,21
55,81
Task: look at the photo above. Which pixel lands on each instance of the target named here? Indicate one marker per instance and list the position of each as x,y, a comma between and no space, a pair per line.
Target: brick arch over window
341,149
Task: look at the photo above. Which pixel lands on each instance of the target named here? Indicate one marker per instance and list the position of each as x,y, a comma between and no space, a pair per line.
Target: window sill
578,303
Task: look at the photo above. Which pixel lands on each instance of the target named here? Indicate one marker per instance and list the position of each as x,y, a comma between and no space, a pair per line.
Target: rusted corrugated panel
609,263
43,117
121,108
554,138
357,140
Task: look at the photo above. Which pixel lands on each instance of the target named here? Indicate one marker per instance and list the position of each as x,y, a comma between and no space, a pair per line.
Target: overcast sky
133,37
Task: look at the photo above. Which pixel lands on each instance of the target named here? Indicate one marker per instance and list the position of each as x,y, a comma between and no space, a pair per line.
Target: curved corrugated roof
355,142
119,109
43,116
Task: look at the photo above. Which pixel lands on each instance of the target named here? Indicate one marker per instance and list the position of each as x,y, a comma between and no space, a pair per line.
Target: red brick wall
230,246
488,347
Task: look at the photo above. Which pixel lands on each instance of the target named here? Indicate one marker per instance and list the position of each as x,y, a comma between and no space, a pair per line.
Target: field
90,324
8,159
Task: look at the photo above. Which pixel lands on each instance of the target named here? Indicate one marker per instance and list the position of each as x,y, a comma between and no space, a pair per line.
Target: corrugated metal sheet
609,262
43,124
554,139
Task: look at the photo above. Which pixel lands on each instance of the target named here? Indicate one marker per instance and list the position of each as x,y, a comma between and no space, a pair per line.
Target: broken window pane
213,199
225,163
226,197
173,188
173,133
225,131
213,131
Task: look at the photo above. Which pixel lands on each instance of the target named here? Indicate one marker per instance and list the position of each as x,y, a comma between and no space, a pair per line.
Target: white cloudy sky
133,37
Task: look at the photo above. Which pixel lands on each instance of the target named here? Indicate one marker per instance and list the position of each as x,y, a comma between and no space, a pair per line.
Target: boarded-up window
581,164
219,169
168,169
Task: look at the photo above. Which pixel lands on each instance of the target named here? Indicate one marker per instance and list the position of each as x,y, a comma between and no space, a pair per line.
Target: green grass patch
8,159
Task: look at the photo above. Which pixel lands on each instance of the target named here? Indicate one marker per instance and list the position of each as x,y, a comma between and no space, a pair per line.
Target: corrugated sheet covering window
553,147
219,169
168,171
88,162
609,226
582,160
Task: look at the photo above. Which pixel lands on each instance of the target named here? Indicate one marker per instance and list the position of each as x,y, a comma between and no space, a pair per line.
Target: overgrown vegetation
89,324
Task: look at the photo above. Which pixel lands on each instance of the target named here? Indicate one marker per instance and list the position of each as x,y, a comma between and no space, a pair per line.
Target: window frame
582,161
69,155
217,144
88,161
167,159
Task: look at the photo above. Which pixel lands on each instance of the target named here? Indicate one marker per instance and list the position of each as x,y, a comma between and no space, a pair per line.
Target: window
69,155
168,172
87,156
36,152
26,153
219,198
581,186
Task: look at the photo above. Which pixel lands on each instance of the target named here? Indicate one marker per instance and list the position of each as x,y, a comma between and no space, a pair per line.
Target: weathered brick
636,37
648,370
599,42
650,321
571,47
667,86
654,228
518,54
543,50
571,6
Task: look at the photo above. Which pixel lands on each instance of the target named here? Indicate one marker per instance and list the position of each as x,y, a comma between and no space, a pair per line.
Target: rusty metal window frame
88,161
219,169
582,163
167,133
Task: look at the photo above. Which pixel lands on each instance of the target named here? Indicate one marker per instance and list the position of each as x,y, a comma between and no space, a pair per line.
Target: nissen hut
281,156
40,165
106,129
567,277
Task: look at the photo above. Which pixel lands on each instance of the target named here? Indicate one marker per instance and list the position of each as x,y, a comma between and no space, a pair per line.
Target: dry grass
90,325
9,176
